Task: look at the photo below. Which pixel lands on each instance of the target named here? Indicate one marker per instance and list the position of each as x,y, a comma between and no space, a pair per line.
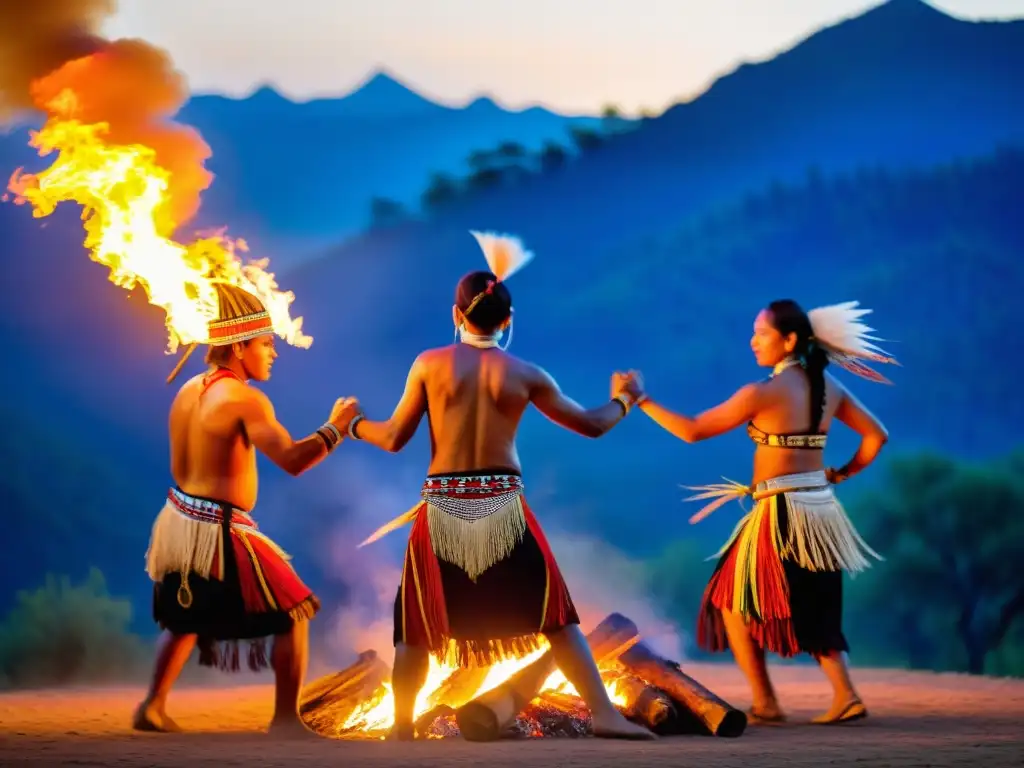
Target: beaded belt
473,497
206,510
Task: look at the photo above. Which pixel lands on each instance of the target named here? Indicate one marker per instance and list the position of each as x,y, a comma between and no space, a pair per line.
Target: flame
124,194
375,716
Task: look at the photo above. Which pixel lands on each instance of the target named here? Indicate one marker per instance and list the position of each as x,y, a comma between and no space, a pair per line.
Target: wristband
331,436
352,426
624,402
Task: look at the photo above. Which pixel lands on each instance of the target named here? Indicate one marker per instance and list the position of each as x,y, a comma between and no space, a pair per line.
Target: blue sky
572,55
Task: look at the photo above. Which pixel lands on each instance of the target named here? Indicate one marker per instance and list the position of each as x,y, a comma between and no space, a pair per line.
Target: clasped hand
629,384
345,409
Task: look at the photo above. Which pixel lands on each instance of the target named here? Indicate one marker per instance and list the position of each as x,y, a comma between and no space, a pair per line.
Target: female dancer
778,583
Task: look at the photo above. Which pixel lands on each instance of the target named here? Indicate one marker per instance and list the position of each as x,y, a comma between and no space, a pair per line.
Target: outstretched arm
272,439
549,399
737,410
853,414
393,434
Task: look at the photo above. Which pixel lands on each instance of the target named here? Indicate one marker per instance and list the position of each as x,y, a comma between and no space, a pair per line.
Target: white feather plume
505,254
846,340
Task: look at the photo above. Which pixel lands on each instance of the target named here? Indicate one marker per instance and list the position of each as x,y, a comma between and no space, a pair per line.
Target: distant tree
676,580
553,156
612,120
585,139
63,633
485,178
952,586
486,168
385,212
481,160
442,190
511,151
511,159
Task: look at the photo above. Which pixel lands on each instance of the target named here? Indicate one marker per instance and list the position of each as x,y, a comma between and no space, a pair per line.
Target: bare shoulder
532,373
430,359
233,399
756,393
187,392
432,355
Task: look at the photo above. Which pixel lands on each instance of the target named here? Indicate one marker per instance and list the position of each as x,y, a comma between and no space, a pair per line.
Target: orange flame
137,179
375,716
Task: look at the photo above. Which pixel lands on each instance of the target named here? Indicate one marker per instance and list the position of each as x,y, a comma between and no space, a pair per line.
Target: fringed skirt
479,582
782,570
216,576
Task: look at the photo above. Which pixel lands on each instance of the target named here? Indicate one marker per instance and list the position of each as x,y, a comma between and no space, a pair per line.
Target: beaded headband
221,333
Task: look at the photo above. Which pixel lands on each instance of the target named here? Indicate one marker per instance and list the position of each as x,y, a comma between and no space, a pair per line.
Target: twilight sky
571,55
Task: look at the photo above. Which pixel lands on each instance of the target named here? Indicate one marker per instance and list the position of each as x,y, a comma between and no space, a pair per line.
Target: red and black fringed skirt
789,609
240,586
479,581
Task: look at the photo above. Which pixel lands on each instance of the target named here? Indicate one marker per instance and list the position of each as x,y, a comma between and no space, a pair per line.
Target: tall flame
136,173
121,189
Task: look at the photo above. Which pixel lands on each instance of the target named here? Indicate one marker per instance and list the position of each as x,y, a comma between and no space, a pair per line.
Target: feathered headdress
505,256
241,316
847,341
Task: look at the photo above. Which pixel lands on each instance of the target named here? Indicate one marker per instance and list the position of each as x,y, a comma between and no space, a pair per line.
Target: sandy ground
918,719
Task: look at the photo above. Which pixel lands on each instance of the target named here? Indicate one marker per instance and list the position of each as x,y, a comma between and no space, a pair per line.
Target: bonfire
523,697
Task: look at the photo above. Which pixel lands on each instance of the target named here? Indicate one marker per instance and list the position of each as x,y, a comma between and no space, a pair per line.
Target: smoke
38,37
603,580
344,505
340,506
53,60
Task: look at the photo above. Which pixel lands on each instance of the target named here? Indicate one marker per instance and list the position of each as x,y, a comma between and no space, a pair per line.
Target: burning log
459,686
329,700
489,715
700,710
453,692
650,706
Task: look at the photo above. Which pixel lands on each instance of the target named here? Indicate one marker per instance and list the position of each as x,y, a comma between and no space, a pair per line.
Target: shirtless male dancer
217,579
479,580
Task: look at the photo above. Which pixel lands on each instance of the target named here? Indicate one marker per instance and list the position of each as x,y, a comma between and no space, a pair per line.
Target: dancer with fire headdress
778,583
480,581
218,579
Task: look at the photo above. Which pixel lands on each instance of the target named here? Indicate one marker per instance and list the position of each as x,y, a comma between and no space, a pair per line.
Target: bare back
475,401
211,456
784,408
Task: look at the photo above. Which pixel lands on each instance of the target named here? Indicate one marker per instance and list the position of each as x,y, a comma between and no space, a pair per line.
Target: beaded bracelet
330,435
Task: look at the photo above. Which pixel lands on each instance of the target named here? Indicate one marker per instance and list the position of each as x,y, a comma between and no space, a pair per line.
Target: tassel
398,522
258,655
179,544
723,493
476,545
821,536
505,254
558,603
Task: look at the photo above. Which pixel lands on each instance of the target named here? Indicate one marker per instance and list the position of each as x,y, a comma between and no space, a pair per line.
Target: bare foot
615,726
290,729
152,719
770,714
843,711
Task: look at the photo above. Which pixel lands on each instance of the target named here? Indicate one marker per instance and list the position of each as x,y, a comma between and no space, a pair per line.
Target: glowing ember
124,195
374,716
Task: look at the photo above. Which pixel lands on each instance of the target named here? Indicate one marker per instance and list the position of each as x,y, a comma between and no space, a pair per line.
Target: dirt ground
917,719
